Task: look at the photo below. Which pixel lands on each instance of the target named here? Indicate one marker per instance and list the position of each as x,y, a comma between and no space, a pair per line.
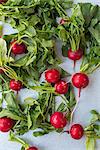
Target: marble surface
90,99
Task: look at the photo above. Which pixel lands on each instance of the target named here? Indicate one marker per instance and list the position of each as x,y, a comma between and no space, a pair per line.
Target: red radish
80,80
32,148
52,76
18,48
75,55
76,131
15,85
58,120
3,1
62,21
61,87
6,124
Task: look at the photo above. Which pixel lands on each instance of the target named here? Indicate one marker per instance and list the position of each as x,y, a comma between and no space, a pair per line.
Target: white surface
90,99
7,29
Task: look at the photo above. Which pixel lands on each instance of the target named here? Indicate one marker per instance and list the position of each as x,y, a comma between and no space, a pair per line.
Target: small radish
80,80
76,131
32,148
3,1
58,120
18,48
6,124
62,21
52,76
15,85
75,55
61,87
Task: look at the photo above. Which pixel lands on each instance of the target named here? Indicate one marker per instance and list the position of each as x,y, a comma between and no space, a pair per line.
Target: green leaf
14,138
30,60
30,101
47,43
62,33
95,116
96,50
39,133
3,53
88,11
95,33
31,31
10,100
34,20
10,114
29,120
1,29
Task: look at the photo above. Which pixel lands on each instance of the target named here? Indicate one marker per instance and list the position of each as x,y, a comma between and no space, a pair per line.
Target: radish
3,1
80,80
76,131
58,120
62,21
61,87
6,124
32,148
15,85
52,76
75,55
18,48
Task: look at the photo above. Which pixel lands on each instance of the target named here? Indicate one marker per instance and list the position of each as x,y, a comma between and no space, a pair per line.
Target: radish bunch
58,120
53,76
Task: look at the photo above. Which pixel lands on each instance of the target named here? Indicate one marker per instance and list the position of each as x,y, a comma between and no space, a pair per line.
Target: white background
90,99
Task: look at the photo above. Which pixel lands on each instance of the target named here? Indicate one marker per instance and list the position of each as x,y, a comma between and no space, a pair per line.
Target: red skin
61,87
62,21
6,124
15,85
18,48
58,120
80,80
75,55
76,131
52,76
32,148
3,1
1,71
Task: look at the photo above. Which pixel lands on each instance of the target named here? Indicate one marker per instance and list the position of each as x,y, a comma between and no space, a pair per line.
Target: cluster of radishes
6,124
58,119
79,80
53,76
16,49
